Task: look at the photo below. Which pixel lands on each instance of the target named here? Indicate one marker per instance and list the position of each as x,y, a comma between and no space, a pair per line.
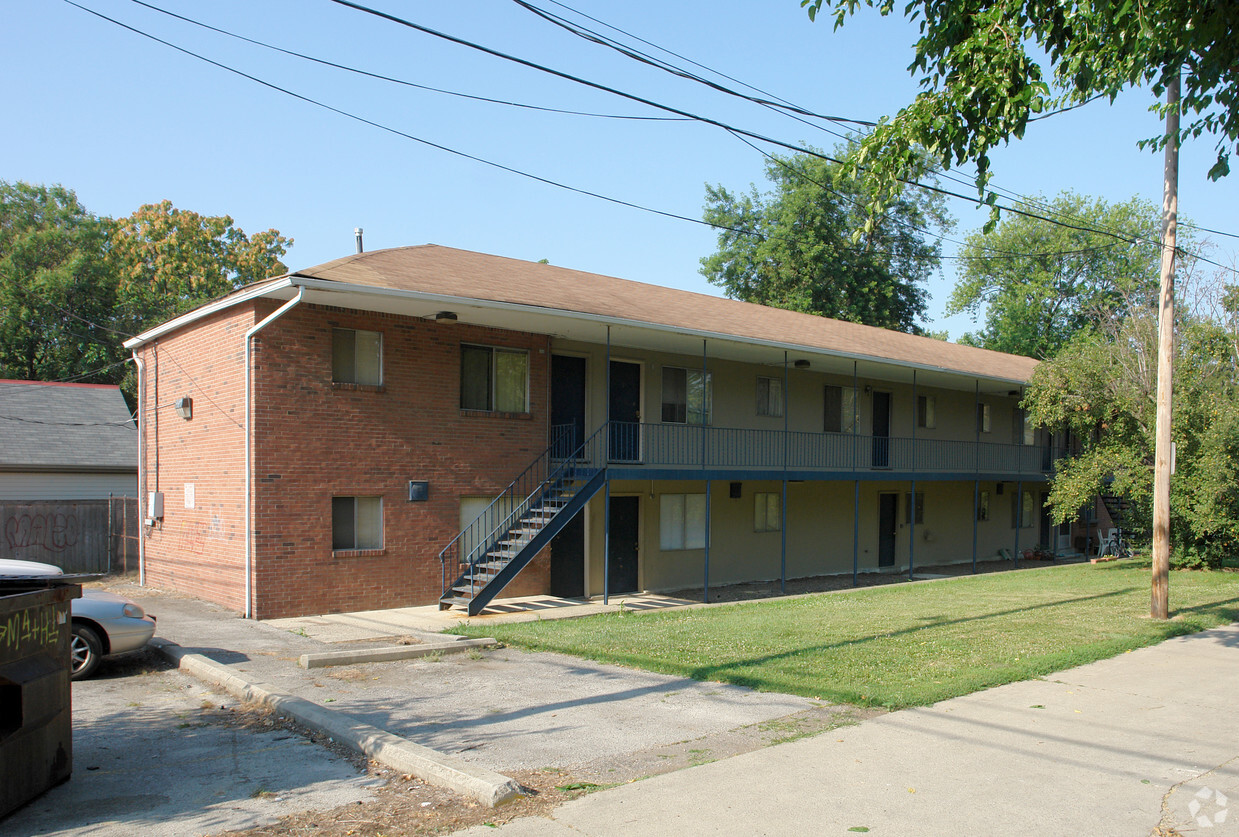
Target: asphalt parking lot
157,753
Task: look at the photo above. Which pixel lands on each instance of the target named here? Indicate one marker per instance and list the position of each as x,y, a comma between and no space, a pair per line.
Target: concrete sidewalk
1145,743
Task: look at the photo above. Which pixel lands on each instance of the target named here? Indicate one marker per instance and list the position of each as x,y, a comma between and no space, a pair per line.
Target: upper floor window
494,379
1022,430
687,396
983,422
925,416
839,411
356,356
769,397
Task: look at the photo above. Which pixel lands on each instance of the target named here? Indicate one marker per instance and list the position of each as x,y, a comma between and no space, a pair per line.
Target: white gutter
141,470
249,533
255,292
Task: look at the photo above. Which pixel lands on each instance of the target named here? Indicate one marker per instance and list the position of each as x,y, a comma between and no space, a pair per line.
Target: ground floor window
767,511
920,507
1022,510
356,522
983,505
682,521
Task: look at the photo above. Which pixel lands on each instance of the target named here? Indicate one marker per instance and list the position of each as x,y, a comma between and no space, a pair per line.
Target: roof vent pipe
357,231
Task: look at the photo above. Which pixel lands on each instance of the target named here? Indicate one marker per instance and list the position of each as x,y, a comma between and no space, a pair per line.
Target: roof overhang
585,327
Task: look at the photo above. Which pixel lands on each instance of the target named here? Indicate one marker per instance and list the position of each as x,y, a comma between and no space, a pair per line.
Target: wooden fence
79,536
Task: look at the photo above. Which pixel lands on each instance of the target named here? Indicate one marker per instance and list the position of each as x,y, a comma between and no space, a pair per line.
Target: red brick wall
316,440
197,551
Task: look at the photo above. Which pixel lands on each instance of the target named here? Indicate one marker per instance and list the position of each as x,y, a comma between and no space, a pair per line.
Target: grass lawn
899,645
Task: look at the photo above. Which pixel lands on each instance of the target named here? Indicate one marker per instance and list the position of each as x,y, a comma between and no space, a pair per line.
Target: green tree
1102,387
808,245
979,66
167,261
1040,283
73,285
56,297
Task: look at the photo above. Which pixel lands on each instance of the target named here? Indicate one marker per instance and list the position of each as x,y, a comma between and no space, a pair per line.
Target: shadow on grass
712,672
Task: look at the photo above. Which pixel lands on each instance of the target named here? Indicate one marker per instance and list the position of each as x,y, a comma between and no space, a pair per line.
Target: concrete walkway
1146,743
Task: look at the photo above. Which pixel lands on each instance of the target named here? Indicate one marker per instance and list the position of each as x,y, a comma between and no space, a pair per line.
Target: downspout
142,501
249,533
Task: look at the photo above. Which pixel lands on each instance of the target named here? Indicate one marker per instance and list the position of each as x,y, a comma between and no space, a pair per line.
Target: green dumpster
36,745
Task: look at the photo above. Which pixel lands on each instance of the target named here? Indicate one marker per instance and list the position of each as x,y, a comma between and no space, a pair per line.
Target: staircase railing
546,474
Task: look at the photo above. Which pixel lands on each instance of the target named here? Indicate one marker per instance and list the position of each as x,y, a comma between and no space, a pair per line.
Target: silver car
103,623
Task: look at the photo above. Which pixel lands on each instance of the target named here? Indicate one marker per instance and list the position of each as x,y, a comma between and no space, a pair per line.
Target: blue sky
126,121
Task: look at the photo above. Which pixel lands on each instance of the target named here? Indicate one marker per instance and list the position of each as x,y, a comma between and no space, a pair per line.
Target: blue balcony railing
694,446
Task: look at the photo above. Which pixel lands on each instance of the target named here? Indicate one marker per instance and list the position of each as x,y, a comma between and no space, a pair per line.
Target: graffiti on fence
54,532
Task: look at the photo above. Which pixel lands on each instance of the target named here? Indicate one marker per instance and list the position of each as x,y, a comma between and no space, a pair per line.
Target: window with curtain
494,379
769,396
356,522
356,356
686,396
681,521
767,511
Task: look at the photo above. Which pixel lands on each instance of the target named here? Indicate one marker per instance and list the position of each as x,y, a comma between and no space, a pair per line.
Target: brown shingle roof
460,273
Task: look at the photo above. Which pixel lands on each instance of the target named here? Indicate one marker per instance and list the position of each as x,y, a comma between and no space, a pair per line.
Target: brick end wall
198,551
316,441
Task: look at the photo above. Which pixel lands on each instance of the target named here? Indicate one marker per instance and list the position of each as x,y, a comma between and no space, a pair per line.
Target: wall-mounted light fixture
446,317
802,363
868,389
185,407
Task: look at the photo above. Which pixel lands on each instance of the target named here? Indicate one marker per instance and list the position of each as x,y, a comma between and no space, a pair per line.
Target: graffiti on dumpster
54,532
33,628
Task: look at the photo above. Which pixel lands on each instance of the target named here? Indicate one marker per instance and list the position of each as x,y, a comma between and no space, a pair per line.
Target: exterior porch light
445,317
802,363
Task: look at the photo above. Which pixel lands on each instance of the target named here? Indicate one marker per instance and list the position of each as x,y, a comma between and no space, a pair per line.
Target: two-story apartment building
426,424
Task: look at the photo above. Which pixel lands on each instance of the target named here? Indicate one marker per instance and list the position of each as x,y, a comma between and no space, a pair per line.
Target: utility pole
1160,605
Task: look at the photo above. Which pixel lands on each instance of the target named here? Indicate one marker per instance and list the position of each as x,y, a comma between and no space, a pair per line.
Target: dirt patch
824,583
404,806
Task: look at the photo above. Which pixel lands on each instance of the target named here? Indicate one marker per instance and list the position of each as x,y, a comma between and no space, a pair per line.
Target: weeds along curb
487,787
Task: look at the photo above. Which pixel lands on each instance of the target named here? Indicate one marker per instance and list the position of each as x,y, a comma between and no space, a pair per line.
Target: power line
610,43
389,129
399,81
595,85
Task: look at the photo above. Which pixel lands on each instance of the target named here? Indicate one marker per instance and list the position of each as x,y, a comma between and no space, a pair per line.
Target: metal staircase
488,553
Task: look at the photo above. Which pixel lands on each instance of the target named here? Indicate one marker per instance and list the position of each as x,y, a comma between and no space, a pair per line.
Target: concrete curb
489,788
390,652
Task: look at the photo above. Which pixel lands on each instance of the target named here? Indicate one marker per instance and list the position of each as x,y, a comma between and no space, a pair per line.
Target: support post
1019,520
856,489
976,486
783,502
705,596
1159,606
912,496
606,541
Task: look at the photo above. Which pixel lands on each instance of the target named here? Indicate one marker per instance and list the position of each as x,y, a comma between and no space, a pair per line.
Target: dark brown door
622,545
881,429
568,399
625,411
888,508
568,559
